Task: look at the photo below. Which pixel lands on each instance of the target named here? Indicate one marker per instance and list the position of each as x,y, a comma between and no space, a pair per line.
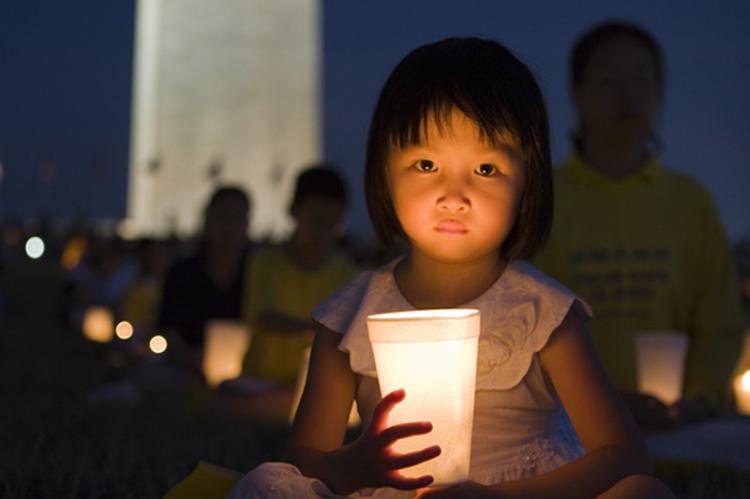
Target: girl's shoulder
346,310
519,314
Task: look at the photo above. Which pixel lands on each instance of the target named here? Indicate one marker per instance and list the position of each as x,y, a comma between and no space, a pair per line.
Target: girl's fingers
404,483
440,493
384,407
412,458
393,433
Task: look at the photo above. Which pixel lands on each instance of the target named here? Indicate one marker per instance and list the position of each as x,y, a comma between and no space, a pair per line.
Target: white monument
223,92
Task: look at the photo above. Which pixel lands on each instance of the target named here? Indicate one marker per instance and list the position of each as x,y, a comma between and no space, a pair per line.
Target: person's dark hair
488,84
591,40
319,180
229,191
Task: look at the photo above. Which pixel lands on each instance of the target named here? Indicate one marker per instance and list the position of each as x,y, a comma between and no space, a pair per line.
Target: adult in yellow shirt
642,244
287,281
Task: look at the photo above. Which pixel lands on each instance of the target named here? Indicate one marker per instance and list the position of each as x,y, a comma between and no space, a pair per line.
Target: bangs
488,97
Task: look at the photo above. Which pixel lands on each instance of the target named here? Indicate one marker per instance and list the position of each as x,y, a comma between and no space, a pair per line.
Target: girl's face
619,95
455,195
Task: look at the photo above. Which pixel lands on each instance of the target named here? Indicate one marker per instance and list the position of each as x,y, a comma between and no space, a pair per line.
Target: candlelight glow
742,393
660,359
34,247
158,344
73,253
225,345
432,355
124,330
98,324
304,367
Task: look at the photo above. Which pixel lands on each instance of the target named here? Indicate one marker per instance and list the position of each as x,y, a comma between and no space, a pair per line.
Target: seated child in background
287,281
458,165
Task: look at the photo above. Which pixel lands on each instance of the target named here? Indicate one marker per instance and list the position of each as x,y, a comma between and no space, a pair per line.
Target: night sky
66,71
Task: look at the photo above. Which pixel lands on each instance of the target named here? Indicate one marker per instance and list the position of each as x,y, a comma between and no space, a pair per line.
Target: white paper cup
432,355
225,344
660,360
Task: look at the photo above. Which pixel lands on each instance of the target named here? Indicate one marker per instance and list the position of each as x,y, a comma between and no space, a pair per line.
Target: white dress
520,427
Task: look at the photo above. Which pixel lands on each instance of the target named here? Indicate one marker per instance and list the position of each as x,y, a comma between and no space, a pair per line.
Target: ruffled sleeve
346,312
519,314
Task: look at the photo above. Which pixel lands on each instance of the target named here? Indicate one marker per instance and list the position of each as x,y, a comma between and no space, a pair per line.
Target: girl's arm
315,445
613,443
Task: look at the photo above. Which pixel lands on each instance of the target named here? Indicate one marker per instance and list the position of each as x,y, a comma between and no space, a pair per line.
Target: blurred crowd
221,312
155,301
126,292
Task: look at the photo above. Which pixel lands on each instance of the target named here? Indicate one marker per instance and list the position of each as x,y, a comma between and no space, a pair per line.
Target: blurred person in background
101,277
209,284
286,281
643,245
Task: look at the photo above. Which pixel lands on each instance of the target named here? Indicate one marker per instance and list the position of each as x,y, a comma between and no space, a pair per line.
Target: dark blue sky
65,106
66,70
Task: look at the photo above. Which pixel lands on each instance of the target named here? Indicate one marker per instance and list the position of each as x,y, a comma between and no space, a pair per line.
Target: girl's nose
454,202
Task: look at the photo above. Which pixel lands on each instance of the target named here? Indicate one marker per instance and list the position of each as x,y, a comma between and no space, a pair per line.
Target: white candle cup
660,362
432,355
225,344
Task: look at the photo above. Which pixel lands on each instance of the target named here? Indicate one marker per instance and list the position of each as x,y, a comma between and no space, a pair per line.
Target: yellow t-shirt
275,282
647,252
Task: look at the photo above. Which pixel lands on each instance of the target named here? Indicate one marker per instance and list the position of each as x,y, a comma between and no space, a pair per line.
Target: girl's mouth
451,228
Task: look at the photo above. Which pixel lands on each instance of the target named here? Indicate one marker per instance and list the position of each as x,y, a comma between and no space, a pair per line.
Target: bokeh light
158,344
746,381
124,330
34,247
73,253
98,324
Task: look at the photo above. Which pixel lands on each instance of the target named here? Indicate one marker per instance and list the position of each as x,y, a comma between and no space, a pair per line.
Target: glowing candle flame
124,330
158,344
98,324
742,393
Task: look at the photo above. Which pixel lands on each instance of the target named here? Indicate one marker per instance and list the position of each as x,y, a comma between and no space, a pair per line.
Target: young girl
458,164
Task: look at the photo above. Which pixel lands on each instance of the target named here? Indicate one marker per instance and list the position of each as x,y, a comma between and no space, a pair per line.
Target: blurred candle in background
660,359
225,345
98,324
158,344
432,355
124,330
742,393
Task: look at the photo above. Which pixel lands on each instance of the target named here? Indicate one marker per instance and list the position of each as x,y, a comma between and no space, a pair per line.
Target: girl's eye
486,170
425,165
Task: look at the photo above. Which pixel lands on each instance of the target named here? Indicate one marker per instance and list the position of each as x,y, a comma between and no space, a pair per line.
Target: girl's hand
372,460
466,490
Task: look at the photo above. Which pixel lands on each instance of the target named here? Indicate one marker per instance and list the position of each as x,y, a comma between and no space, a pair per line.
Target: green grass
55,444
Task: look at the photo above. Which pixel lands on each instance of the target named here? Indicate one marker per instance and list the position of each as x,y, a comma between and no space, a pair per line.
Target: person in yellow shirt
288,280
643,245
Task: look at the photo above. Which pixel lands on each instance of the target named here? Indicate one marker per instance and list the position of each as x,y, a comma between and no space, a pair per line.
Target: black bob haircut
488,84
